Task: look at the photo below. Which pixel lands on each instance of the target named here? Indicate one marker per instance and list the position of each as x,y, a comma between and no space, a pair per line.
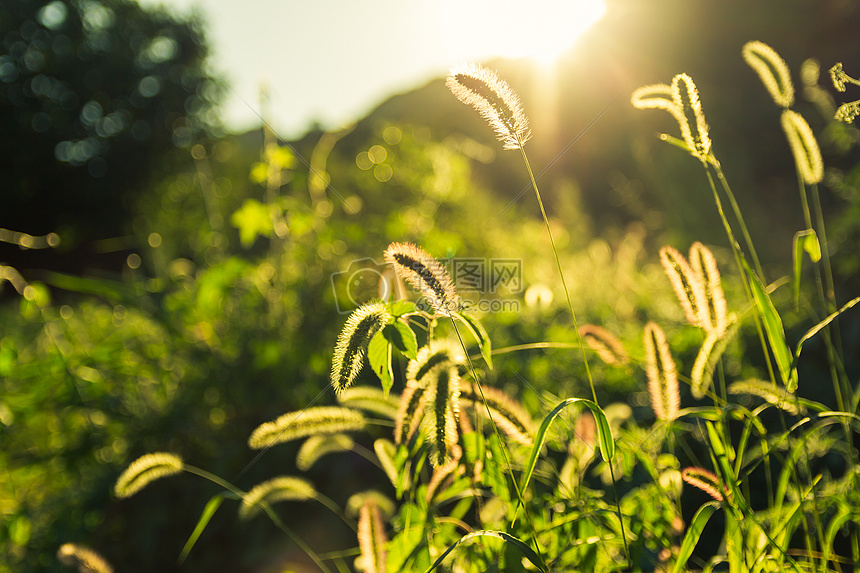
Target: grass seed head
686,97
348,358
426,275
662,374
605,344
772,70
687,284
144,471
442,409
304,423
804,147
704,480
85,559
372,539
283,488
713,312
494,99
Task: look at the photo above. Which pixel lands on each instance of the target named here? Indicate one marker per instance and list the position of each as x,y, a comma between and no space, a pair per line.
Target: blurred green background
202,275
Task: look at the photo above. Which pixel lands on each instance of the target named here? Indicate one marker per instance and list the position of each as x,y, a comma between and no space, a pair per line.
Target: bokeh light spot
383,172
377,154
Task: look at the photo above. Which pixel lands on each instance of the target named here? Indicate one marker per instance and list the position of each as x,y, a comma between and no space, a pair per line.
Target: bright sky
332,61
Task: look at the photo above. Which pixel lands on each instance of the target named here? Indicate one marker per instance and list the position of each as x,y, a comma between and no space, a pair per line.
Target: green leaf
604,436
379,356
252,219
804,241
709,355
208,511
403,339
693,534
480,334
400,307
527,551
773,328
812,332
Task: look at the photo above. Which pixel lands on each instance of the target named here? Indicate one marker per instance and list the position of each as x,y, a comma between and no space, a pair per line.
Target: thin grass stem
499,438
265,506
575,327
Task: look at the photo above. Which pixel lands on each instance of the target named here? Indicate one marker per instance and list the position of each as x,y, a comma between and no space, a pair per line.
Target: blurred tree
93,94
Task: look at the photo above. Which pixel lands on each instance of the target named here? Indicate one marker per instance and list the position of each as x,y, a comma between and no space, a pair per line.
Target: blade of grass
773,328
604,434
700,520
506,537
211,507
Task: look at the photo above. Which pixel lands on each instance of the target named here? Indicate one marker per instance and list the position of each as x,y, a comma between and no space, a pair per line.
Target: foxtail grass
315,447
304,423
705,480
688,285
84,558
510,416
714,310
442,410
772,70
370,399
662,374
372,539
426,275
494,99
804,146
283,488
605,344
145,470
352,342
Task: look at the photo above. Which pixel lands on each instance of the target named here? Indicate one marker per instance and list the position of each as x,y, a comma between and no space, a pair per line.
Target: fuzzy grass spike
494,99
144,471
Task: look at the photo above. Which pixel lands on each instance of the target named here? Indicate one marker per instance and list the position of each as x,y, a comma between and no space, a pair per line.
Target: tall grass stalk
500,105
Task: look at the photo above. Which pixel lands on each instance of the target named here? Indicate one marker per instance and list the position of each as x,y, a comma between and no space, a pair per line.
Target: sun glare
541,29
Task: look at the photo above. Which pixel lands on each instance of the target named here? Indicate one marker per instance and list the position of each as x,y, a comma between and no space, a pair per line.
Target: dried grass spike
358,500
604,344
654,96
385,452
410,411
804,147
688,285
437,352
713,314
304,423
687,98
709,355
372,539
494,99
704,480
771,394
316,447
371,400
772,70
144,471
661,372
283,488
507,413
352,342
426,275
441,413
85,559
442,472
